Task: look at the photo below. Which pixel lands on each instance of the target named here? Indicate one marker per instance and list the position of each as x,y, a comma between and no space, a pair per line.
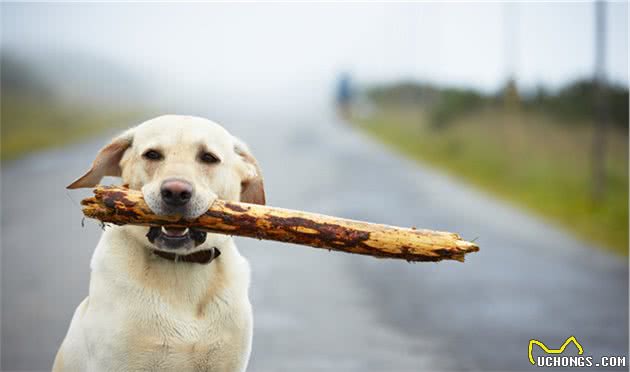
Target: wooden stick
122,206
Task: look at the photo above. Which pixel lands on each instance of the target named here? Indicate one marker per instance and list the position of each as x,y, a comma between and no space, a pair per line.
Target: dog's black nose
176,192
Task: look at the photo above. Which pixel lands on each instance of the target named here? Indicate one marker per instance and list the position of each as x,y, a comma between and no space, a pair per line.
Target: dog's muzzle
172,238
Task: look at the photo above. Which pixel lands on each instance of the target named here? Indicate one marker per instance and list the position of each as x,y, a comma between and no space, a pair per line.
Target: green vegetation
535,158
28,125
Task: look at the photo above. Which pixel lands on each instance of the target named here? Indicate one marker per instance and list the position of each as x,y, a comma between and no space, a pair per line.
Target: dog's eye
152,155
208,157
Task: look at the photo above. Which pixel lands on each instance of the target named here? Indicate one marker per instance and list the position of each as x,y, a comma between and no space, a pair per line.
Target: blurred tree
572,104
576,101
453,103
18,79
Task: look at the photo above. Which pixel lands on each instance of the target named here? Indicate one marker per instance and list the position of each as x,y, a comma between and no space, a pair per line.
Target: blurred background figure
344,95
503,122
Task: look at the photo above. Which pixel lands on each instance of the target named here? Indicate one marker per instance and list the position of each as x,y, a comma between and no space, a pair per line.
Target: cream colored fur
147,313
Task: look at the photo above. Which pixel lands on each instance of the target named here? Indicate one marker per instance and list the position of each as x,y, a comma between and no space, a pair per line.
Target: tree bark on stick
120,206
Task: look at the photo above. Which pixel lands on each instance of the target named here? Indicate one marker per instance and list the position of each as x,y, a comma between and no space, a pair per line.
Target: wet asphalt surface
315,310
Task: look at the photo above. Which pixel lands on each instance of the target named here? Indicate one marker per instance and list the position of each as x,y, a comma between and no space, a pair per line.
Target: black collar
200,257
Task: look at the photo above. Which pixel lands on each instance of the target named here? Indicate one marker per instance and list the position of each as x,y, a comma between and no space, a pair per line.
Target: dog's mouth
170,238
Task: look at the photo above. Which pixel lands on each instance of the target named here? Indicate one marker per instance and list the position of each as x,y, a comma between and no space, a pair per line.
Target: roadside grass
27,124
524,157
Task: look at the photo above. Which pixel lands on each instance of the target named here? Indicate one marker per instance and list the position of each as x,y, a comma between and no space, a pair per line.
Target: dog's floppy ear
106,162
252,188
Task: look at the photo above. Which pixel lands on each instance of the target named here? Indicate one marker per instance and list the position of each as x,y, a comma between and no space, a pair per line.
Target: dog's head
181,164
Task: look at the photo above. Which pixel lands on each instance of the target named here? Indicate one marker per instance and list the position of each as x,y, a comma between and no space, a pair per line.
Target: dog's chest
196,345
163,340
142,330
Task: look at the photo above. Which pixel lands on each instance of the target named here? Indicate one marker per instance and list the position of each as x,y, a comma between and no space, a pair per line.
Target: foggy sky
250,50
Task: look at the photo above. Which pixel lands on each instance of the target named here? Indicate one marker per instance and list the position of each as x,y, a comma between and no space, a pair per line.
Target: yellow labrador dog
168,299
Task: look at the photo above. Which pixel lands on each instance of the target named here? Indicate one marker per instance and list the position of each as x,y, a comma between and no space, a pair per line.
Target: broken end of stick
465,247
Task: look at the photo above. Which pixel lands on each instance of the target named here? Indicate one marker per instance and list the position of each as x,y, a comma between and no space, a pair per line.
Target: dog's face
181,164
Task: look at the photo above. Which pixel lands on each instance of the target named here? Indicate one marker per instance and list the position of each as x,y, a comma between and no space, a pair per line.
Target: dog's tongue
175,231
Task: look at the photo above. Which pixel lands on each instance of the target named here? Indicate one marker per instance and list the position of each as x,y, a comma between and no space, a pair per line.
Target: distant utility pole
598,155
510,48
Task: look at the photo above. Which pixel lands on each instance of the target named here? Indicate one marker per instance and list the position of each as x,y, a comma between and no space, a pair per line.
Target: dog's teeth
174,232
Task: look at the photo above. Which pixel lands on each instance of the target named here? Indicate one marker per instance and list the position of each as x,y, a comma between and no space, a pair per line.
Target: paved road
316,310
